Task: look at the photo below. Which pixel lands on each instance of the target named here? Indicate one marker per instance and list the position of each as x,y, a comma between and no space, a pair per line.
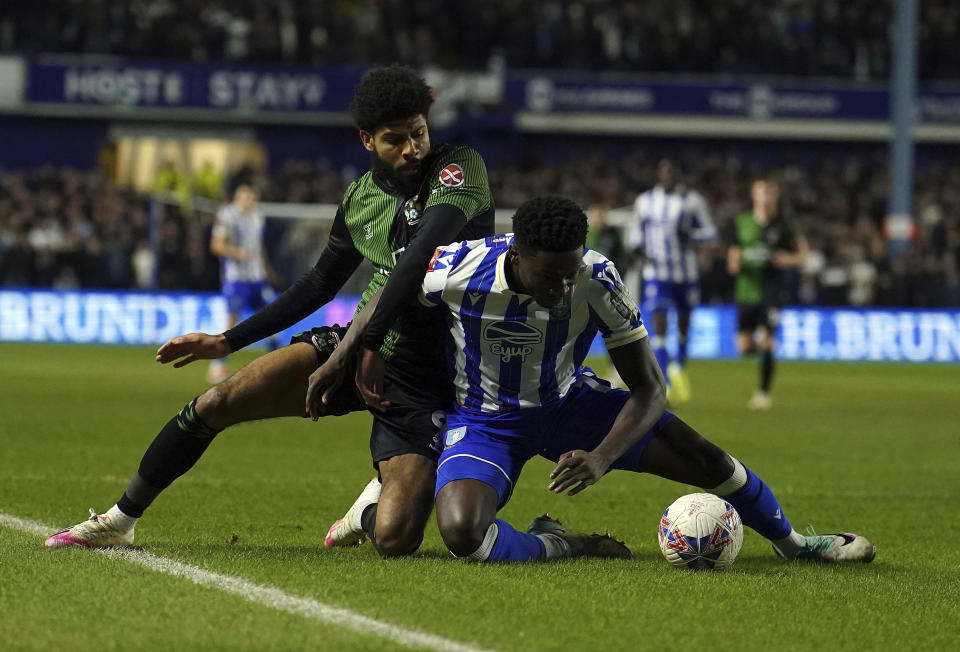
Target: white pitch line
268,596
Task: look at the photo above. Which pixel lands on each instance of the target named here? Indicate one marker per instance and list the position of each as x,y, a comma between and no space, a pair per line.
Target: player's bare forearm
637,366
578,469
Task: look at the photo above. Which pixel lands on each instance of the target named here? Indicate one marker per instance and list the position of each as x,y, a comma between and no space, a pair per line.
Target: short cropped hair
389,94
550,224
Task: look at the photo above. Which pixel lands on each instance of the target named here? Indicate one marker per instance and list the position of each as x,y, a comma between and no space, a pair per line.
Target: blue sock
759,509
659,343
682,350
511,545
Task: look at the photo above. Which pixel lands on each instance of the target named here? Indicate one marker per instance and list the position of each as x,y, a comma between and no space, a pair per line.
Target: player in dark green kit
762,245
414,199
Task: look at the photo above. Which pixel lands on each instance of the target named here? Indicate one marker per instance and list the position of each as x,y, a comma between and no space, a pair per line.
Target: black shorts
751,316
415,419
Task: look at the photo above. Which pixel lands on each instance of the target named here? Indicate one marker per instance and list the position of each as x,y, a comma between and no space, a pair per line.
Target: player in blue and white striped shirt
669,220
522,310
237,239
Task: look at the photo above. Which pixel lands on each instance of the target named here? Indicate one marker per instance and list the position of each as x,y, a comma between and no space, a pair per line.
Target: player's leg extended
679,453
273,385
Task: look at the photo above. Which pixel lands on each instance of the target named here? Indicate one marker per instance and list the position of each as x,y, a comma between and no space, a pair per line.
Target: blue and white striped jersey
665,225
508,351
244,231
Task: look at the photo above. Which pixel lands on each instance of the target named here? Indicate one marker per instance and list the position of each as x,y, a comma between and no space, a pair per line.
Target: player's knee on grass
398,534
465,510
462,533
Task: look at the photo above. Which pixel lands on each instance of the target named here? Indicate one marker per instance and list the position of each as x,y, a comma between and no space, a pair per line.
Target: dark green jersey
382,223
377,222
758,280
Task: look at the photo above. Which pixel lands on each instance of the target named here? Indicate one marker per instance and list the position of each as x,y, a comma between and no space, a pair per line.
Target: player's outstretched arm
191,347
576,470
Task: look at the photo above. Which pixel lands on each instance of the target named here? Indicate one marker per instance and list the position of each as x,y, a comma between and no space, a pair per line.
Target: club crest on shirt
368,230
451,176
454,435
412,210
510,339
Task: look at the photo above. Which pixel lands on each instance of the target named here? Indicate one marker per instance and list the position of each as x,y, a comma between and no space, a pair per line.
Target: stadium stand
787,37
61,227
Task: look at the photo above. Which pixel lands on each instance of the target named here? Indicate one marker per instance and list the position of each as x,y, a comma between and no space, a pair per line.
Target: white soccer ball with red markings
700,532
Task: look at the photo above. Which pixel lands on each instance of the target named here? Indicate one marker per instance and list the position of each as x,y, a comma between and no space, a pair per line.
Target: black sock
176,448
766,371
368,520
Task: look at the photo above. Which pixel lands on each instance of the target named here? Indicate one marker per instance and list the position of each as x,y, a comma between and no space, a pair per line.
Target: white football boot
99,531
760,401
348,531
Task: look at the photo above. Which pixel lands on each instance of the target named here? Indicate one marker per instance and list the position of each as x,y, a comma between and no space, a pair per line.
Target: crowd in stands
63,228
848,39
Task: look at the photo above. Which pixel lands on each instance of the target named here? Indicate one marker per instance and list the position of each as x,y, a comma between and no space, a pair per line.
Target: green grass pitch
873,449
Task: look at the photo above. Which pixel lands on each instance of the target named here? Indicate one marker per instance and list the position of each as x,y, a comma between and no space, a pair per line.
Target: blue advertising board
265,88
141,318
129,318
762,101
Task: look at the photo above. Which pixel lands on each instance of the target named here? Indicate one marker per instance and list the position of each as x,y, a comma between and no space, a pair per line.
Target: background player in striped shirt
669,221
237,239
523,309
415,198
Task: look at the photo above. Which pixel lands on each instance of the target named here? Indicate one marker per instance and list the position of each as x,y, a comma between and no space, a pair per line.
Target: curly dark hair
389,94
549,224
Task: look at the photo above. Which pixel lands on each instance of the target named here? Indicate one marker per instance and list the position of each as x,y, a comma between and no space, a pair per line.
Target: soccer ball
700,532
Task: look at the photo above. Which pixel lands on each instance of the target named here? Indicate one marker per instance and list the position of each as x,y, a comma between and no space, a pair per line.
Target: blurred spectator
207,182
170,179
785,37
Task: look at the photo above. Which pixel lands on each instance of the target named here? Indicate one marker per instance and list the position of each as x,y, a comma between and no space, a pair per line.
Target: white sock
486,546
734,483
791,546
121,520
556,546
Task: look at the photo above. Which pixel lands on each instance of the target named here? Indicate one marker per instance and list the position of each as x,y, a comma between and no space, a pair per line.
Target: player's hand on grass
191,347
370,380
577,470
323,383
